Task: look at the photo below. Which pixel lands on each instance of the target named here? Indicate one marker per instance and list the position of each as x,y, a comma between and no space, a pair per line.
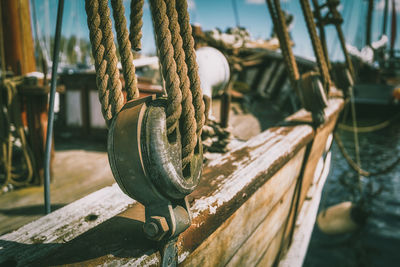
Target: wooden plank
269,256
219,247
274,225
306,219
319,143
259,240
301,237
77,173
38,238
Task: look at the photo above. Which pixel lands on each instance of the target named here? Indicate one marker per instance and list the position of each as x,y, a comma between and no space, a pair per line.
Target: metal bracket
148,167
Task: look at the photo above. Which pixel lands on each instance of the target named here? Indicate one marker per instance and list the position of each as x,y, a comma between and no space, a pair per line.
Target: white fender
337,219
213,71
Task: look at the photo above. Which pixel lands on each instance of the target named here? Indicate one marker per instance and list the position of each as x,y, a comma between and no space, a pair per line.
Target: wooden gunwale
235,203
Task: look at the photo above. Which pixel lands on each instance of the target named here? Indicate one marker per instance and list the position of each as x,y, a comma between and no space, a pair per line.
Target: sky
253,14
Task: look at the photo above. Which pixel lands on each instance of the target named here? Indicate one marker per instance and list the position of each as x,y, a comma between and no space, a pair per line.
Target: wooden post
20,59
18,41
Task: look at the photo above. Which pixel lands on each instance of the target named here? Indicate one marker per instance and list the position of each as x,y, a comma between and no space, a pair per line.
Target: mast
369,22
385,14
18,46
393,29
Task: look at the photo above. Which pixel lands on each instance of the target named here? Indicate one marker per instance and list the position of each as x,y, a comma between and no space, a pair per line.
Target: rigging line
372,128
355,133
236,13
385,16
358,168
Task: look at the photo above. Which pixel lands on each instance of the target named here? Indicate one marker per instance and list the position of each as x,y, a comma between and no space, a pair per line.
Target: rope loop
179,67
10,115
175,45
187,120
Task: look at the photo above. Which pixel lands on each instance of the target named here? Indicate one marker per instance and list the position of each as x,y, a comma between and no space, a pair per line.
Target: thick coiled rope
187,121
135,27
190,58
132,91
316,43
104,53
168,65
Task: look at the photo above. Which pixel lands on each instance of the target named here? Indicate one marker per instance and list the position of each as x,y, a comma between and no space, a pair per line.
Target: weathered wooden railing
243,210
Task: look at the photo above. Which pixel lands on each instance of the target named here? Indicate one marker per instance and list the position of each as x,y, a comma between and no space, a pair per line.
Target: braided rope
125,50
316,42
284,42
115,96
188,121
188,46
103,49
318,17
135,27
168,65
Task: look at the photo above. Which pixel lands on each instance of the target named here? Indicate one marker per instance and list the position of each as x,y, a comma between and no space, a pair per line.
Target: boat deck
79,169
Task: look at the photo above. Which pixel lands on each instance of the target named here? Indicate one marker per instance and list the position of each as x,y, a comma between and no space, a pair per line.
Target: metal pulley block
146,164
344,80
314,96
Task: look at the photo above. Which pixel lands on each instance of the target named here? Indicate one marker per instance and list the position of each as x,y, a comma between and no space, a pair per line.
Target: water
378,242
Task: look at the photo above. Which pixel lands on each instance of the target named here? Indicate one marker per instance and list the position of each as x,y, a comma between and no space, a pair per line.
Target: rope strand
114,87
125,50
316,43
135,28
168,65
188,121
284,42
190,58
103,50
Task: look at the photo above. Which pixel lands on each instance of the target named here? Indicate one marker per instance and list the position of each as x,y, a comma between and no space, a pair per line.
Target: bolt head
151,229
156,228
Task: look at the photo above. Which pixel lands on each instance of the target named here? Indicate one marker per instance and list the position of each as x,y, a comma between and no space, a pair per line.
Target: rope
187,121
316,42
135,28
188,46
318,17
357,167
103,49
333,17
372,128
11,114
355,133
168,65
284,41
125,50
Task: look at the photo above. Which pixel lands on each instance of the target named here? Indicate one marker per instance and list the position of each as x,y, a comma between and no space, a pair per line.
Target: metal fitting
156,228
